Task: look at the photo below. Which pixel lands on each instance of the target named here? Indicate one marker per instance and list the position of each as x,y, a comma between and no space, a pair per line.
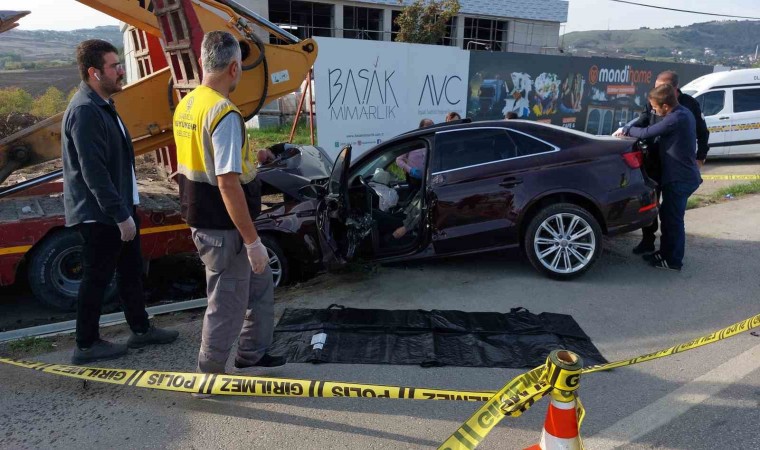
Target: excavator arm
146,106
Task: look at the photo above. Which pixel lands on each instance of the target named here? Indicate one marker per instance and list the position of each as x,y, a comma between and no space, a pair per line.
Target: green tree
15,100
424,21
71,94
49,104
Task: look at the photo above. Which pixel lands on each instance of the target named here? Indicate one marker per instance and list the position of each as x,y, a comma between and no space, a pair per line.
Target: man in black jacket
100,200
652,158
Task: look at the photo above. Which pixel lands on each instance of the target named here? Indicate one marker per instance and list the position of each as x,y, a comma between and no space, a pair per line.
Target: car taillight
634,159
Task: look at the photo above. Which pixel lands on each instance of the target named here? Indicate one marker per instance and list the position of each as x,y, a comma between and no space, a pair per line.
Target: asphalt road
704,399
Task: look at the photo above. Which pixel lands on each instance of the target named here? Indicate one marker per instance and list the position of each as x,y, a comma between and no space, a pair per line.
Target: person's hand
619,133
257,256
700,163
128,229
415,173
399,233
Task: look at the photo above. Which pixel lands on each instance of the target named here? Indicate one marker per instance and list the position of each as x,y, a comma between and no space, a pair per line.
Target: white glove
257,256
128,229
618,133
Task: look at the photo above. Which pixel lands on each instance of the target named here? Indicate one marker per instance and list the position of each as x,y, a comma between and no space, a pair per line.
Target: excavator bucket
269,71
9,19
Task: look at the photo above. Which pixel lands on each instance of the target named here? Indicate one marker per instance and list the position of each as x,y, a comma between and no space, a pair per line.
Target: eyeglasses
117,67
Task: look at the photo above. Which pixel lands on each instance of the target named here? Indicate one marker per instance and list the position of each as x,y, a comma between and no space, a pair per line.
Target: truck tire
278,261
563,241
55,272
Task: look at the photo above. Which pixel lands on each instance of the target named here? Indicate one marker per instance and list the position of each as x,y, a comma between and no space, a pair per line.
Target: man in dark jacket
680,175
652,158
100,200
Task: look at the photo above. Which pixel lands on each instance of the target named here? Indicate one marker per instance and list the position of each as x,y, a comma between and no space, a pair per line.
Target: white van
730,102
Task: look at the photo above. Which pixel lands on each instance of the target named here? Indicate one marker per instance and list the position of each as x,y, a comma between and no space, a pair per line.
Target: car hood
299,166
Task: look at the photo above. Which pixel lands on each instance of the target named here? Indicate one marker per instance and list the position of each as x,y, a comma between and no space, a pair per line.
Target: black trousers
103,255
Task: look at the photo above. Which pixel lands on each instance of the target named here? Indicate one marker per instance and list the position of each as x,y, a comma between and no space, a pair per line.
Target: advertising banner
594,95
370,91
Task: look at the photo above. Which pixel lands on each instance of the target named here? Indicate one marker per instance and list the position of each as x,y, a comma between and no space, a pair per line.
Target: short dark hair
664,95
671,75
453,115
90,54
510,115
426,123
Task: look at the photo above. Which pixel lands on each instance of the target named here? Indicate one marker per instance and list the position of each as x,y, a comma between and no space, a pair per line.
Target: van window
457,149
746,100
711,103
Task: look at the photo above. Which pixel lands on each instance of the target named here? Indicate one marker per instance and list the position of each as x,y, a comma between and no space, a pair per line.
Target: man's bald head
667,77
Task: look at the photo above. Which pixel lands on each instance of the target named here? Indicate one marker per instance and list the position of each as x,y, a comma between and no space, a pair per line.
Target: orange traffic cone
560,428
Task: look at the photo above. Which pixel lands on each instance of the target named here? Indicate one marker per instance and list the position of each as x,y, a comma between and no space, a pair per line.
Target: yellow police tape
222,384
523,391
512,400
719,177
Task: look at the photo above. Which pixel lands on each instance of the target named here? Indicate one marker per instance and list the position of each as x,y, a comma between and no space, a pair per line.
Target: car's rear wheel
563,241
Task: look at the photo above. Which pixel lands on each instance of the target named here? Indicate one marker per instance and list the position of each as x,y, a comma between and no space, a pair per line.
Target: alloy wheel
564,243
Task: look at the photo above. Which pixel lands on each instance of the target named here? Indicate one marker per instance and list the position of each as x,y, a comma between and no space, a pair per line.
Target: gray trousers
240,302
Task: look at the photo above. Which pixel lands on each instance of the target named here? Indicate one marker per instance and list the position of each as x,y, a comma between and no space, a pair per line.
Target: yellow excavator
269,71
167,36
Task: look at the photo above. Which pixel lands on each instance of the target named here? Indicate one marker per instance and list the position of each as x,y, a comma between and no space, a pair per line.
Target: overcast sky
583,15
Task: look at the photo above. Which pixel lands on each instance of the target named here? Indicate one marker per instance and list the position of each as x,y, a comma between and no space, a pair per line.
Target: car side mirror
313,191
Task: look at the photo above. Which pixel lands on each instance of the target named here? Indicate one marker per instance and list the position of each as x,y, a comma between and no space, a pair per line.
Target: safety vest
195,120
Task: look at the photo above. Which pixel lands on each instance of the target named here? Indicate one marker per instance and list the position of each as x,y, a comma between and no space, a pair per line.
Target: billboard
594,95
370,91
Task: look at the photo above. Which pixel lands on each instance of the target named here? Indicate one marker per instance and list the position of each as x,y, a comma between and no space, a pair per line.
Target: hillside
46,45
718,42
37,81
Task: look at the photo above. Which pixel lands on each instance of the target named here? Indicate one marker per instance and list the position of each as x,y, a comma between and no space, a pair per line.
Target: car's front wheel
278,261
563,241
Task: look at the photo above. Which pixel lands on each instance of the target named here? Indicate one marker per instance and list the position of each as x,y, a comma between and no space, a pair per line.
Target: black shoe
653,257
662,264
643,247
154,336
266,361
99,351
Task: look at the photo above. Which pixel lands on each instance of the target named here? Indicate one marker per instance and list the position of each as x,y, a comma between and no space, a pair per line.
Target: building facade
527,26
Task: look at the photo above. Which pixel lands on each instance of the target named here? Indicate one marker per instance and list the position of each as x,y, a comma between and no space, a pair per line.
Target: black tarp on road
517,339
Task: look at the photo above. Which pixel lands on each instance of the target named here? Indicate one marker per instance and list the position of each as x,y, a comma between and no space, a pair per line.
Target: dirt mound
15,122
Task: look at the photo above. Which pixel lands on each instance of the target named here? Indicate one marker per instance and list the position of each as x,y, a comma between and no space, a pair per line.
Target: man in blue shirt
680,173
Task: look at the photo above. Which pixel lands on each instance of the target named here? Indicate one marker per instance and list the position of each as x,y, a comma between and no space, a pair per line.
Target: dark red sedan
486,186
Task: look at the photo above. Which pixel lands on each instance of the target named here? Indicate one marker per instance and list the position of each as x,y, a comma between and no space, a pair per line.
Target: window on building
362,23
450,38
302,19
142,56
485,34
593,121
607,123
746,100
